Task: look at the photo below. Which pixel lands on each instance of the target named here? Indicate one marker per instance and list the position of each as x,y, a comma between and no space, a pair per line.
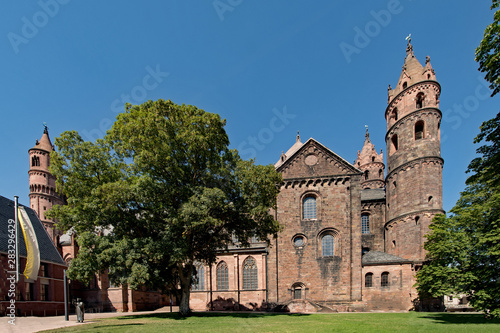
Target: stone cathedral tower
42,184
414,164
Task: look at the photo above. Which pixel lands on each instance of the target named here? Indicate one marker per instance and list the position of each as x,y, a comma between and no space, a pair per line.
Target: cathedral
353,234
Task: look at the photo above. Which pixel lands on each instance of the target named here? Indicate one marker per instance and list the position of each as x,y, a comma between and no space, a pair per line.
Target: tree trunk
185,274
184,309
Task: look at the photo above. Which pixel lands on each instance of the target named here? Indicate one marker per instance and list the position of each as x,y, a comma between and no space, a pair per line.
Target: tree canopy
463,250
488,51
158,193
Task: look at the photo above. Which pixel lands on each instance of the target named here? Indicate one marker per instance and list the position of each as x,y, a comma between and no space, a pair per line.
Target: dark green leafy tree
488,52
463,250
160,192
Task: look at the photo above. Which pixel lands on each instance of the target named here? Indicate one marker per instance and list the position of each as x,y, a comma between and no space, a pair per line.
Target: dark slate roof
48,251
380,258
373,194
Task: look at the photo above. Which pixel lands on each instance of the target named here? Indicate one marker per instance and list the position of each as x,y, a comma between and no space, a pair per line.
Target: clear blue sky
269,67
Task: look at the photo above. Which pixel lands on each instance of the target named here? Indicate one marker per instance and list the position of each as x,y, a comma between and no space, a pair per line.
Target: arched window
420,101
394,141
380,173
367,173
405,84
365,223
35,161
250,274
395,114
327,245
419,130
222,276
369,280
199,278
309,208
384,279
298,291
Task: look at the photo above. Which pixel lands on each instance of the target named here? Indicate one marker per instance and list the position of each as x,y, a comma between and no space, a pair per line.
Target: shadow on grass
177,316
460,318
120,326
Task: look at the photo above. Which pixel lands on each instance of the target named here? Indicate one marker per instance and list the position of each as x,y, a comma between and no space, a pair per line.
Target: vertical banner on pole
32,249
17,237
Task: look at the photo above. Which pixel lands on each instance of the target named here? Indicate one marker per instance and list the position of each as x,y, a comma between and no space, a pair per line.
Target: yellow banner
33,252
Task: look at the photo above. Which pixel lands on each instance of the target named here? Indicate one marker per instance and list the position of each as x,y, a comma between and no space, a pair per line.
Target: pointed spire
296,146
44,143
411,73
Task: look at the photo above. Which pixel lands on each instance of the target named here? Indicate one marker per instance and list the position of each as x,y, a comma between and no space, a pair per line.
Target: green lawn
267,322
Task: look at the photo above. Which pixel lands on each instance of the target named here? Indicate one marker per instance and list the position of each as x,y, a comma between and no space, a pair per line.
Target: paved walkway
36,324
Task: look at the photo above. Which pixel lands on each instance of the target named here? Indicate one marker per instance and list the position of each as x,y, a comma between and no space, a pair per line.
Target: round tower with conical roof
372,165
414,164
42,183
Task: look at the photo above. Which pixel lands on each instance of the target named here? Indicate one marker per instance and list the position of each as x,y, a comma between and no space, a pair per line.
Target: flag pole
66,313
17,238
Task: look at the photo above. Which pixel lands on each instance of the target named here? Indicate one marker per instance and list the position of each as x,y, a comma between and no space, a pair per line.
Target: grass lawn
268,322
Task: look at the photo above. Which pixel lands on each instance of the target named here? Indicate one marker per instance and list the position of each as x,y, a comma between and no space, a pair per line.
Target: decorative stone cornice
372,165
38,151
34,171
370,204
413,163
317,181
411,217
369,182
417,87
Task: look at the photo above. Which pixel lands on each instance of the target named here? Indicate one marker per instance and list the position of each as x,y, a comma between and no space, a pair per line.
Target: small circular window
299,241
311,159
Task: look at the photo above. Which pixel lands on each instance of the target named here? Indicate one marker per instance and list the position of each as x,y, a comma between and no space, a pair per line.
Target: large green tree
463,250
488,51
160,192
